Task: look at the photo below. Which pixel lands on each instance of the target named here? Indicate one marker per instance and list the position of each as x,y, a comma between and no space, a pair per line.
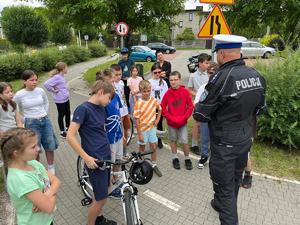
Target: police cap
228,41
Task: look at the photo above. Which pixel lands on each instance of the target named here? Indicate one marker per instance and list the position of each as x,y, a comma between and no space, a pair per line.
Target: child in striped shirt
147,120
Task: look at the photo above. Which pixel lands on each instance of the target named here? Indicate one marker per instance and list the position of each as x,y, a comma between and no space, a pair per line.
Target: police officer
231,100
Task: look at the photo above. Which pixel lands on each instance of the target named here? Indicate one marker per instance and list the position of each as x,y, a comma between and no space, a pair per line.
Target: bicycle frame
128,190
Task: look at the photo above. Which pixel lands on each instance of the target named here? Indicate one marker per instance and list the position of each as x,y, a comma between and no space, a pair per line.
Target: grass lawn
269,159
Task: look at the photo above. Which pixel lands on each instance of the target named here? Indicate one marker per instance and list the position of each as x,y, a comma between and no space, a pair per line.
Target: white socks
51,169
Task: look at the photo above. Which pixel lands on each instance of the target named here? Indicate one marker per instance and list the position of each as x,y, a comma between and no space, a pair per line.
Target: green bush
68,56
273,41
12,66
281,124
97,50
4,45
81,54
49,58
35,62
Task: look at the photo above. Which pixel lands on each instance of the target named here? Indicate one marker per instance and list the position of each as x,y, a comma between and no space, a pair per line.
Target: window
190,16
180,24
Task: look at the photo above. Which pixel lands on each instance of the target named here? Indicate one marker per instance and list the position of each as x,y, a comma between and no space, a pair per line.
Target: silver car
255,49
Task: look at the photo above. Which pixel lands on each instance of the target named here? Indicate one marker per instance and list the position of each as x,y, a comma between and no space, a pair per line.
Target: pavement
179,197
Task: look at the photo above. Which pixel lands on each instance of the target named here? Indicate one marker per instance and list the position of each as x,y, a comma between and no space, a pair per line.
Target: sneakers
157,171
202,162
214,205
116,194
176,164
188,164
195,150
63,134
160,144
247,181
101,220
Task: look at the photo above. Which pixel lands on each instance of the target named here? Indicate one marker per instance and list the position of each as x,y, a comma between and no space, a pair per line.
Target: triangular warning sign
214,24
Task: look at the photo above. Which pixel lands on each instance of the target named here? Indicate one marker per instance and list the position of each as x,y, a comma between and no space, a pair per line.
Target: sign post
122,30
215,22
86,38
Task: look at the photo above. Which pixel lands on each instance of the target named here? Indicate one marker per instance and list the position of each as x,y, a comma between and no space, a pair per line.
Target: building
193,16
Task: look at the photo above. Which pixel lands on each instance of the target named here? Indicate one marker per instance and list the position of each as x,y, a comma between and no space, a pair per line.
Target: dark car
162,47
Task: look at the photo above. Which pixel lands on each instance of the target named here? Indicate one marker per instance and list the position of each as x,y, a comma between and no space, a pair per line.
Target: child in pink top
133,84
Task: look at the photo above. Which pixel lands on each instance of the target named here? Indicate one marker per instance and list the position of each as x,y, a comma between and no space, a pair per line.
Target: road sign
214,24
122,29
225,2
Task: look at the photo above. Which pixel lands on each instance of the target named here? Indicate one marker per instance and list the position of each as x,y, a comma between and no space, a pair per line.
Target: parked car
162,47
142,53
255,49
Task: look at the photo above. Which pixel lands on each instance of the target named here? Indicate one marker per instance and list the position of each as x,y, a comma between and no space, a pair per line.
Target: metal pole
79,36
122,42
213,54
86,44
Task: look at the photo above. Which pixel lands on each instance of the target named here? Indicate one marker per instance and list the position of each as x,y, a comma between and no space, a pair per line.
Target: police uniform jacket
232,97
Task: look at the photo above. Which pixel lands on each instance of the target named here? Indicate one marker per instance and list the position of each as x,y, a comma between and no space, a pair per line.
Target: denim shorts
100,181
44,130
149,136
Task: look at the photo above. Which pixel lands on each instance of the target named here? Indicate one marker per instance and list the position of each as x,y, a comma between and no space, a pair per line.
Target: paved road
188,192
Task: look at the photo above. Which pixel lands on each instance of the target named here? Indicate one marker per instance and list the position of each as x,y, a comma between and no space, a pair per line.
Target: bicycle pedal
86,201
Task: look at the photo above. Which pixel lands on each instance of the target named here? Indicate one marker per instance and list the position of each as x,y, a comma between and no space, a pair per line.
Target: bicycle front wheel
83,179
130,209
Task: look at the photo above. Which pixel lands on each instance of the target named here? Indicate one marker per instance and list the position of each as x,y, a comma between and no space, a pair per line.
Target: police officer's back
232,97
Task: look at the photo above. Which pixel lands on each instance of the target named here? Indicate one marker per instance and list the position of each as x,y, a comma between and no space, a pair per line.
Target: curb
193,156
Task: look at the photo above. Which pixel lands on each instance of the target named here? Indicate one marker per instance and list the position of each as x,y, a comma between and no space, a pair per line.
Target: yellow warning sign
214,24
229,2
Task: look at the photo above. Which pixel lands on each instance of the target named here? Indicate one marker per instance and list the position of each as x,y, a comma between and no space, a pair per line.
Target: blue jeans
44,130
204,134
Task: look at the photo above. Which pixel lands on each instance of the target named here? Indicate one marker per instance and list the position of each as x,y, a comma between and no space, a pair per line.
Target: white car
255,49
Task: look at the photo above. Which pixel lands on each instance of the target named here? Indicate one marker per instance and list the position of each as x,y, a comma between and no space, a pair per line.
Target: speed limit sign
122,29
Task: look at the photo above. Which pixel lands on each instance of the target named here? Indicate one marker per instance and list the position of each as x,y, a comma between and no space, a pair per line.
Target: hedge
12,65
97,50
281,123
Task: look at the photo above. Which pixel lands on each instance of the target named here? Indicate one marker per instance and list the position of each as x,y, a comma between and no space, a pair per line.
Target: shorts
126,122
100,181
44,130
149,137
180,134
116,150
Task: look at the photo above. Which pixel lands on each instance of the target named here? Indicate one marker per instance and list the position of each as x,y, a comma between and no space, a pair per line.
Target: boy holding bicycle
88,120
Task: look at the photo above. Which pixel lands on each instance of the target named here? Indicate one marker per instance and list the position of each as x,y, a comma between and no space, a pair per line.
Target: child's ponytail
59,67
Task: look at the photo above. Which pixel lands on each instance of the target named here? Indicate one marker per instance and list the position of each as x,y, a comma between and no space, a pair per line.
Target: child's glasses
157,72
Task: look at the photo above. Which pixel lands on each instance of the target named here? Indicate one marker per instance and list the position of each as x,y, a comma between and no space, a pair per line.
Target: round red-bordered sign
122,29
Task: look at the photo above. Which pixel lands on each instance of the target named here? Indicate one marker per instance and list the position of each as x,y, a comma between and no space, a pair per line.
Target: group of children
102,123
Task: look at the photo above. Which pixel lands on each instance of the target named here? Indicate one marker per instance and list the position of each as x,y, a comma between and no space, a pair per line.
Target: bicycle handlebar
103,164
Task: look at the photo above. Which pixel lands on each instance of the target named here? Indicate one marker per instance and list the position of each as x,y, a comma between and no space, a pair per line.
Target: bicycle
140,172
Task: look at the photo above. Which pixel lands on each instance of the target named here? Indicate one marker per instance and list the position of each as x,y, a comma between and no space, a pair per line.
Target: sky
189,4
4,3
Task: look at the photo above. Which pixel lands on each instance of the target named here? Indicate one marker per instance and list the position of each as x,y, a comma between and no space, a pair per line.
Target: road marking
160,199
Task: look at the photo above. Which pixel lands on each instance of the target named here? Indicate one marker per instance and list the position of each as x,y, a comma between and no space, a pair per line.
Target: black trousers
226,166
64,111
127,93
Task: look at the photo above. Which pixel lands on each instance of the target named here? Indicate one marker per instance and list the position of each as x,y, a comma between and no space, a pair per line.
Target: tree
251,18
137,14
22,25
187,34
61,34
